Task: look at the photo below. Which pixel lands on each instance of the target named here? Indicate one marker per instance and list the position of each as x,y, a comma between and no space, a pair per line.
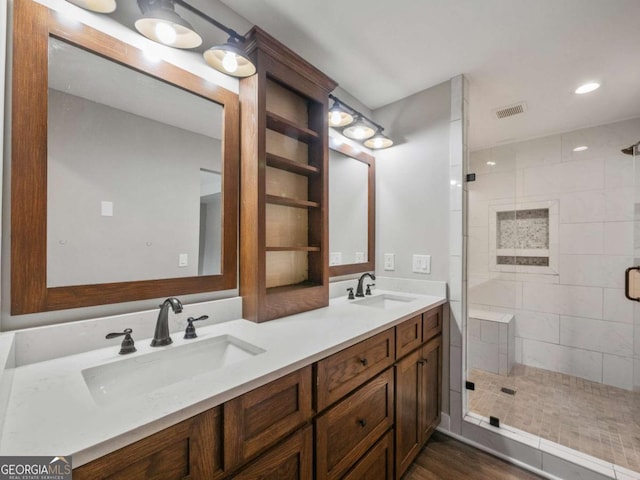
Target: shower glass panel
550,340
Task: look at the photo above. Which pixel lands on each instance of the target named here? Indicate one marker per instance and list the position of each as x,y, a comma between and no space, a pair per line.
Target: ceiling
537,51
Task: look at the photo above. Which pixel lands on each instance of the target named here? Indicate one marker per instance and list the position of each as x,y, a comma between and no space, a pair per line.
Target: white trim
513,461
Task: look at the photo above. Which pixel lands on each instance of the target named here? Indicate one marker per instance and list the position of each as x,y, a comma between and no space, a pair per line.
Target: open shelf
293,249
290,129
287,288
291,166
291,202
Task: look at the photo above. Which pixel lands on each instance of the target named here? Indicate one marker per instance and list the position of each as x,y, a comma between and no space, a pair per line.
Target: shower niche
524,237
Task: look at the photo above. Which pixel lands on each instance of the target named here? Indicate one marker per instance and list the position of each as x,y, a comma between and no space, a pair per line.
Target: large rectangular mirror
351,210
124,172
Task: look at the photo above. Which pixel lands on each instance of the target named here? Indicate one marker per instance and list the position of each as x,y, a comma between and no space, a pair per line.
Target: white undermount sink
140,374
384,301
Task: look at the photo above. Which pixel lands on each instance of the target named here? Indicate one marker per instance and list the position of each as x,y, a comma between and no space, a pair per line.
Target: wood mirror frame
33,25
370,265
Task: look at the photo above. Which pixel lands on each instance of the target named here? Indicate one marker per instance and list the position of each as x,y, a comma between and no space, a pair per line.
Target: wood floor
445,458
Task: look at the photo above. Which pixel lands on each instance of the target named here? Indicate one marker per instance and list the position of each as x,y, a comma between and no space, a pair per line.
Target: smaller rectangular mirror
351,210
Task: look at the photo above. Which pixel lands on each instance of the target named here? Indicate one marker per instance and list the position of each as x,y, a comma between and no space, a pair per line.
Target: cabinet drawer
192,449
258,419
377,464
344,371
347,430
431,323
290,460
408,336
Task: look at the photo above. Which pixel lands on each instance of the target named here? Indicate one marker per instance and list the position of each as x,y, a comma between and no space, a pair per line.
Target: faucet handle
128,345
369,285
350,296
190,332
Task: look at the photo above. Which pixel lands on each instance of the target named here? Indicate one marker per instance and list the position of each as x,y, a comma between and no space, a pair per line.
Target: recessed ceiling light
581,148
490,163
587,87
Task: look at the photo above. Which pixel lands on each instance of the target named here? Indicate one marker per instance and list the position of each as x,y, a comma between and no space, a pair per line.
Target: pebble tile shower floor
590,417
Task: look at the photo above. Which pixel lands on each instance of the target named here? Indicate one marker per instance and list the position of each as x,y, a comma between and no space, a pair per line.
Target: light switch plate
389,261
183,260
421,264
106,208
335,258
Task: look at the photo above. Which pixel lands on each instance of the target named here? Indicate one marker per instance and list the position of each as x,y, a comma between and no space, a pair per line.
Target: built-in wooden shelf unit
284,161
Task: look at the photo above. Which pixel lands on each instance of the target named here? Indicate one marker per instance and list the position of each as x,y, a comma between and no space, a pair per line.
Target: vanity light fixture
379,141
99,6
491,163
587,88
581,148
161,23
356,126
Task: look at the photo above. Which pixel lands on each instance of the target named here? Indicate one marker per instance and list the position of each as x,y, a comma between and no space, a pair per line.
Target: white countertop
50,411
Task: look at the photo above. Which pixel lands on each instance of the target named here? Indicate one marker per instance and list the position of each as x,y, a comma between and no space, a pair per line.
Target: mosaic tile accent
528,261
590,417
523,229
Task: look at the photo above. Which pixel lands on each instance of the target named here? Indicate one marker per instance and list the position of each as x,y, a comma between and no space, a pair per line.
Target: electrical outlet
360,257
183,260
335,258
389,261
421,264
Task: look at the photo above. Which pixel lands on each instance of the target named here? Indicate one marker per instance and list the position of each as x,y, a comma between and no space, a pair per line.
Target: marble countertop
50,410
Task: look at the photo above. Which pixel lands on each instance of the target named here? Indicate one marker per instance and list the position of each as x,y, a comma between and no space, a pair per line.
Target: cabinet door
347,430
290,460
408,410
262,417
431,373
189,450
377,464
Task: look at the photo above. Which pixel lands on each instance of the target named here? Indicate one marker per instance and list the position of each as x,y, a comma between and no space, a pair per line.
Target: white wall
577,321
148,170
412,183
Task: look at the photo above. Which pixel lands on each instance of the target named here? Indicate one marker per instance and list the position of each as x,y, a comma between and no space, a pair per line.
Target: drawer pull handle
362,422
364,362
421,362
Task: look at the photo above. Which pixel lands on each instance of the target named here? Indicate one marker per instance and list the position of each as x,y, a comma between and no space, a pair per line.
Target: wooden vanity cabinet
191,450
418,388
377,403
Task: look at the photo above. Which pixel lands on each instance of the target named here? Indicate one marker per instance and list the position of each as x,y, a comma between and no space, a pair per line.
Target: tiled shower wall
576,321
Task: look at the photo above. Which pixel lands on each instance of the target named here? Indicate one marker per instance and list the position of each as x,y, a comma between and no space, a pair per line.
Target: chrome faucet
359,292
161,336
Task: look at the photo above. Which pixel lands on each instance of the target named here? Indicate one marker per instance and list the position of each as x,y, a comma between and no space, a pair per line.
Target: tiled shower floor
596,419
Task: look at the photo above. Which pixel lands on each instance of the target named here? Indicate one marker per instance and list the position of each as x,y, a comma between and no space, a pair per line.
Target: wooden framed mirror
352,214
124,171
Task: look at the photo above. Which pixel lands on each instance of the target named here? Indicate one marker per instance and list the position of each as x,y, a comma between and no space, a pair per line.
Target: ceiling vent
511,110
